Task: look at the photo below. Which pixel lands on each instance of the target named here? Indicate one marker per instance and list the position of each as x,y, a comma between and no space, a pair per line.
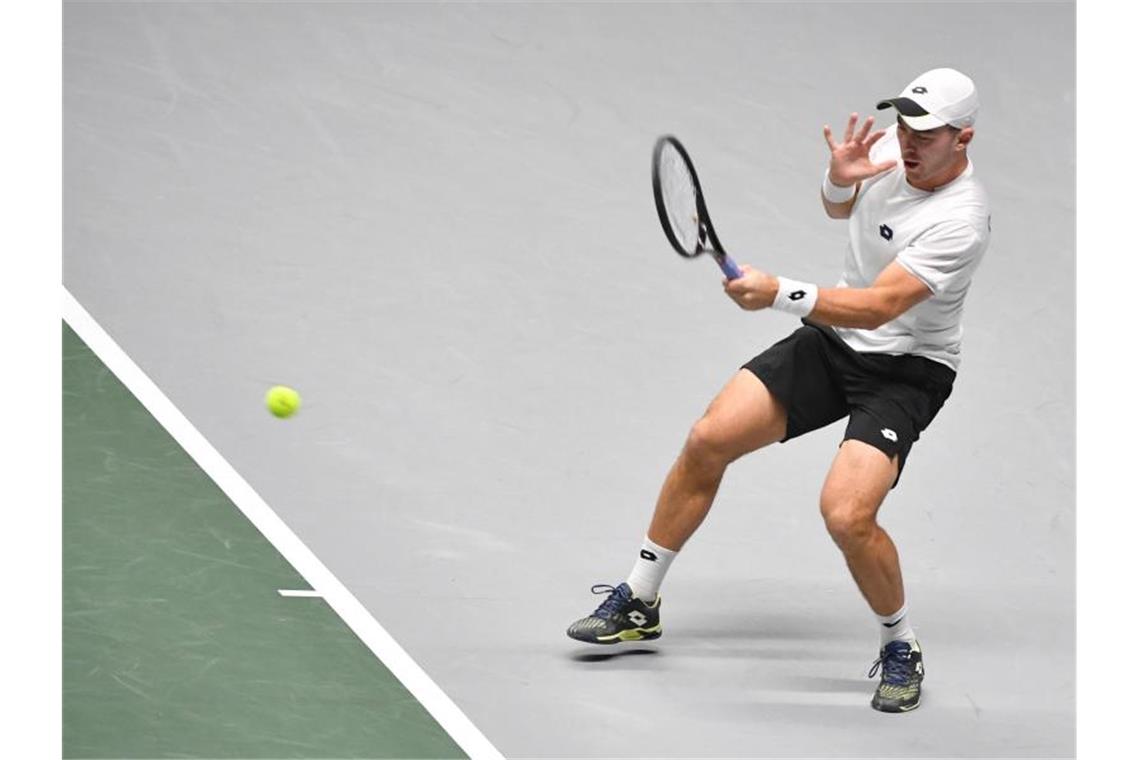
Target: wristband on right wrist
834,193
795,297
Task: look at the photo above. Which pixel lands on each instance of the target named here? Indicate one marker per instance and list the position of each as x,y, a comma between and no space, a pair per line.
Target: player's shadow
832,685
770,626
608,655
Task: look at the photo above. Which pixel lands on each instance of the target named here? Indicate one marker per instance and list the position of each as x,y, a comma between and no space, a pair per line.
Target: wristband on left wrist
836,193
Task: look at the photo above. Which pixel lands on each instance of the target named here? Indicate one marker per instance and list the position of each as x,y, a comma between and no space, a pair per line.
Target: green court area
175,640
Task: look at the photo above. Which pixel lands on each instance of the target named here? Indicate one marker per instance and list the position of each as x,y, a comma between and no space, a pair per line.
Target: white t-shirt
939,237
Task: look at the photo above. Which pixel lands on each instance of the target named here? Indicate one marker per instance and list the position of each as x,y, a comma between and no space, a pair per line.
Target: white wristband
795,297
833,192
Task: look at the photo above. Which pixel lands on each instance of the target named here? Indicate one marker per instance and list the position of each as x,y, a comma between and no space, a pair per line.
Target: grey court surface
436,222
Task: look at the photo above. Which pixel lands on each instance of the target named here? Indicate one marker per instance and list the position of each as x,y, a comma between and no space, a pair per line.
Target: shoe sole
896,708
632,634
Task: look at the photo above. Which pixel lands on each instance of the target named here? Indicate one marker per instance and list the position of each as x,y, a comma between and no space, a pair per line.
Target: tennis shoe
900,684
621,617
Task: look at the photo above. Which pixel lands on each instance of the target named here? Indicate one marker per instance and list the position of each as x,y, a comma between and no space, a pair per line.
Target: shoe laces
618,597
894,659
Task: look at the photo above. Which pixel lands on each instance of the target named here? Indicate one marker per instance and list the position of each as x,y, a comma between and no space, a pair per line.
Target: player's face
931,154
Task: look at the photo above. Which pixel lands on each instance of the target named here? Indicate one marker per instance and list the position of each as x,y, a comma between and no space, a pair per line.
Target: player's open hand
753,290
851,158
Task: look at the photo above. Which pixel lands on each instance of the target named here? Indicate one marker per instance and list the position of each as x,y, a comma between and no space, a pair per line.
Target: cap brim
923,123
915,116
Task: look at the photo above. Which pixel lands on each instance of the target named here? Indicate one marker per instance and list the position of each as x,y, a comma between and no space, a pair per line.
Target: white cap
938,97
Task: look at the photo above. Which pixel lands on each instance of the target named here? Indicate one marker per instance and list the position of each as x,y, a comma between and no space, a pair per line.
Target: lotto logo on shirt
886,232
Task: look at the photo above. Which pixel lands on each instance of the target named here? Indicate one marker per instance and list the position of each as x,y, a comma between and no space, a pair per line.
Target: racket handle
728,266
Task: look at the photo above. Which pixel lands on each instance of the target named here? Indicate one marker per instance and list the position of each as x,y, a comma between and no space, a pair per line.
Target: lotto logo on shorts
886,232
890,435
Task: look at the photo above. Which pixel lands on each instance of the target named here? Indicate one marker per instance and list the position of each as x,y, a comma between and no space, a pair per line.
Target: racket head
679,200
681,206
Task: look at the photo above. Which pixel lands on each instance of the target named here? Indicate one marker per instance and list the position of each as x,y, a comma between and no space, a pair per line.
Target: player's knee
847,521
706,445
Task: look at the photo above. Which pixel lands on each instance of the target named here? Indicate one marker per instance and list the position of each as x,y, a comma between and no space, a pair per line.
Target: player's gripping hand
851,159
753,290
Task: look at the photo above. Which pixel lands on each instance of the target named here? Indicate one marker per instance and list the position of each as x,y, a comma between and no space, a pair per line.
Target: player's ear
964,136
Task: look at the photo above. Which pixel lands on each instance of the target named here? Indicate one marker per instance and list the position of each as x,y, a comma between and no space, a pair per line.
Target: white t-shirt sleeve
945,256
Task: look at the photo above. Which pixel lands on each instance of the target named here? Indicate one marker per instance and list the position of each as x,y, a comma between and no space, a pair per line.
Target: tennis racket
681,206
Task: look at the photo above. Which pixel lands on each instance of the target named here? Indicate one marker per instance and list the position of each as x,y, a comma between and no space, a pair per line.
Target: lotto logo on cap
936,98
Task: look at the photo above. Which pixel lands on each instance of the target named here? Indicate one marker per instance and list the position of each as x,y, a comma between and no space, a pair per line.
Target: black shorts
820,379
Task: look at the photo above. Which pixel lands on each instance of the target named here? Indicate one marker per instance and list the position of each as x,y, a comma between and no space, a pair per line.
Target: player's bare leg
743,417
859,480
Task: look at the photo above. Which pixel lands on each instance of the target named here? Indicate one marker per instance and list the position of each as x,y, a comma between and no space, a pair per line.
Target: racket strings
680,197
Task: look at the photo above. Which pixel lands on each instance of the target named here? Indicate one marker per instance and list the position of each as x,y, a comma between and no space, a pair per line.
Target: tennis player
881,348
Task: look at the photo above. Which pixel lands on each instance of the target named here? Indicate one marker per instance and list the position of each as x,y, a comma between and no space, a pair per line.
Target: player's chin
915,176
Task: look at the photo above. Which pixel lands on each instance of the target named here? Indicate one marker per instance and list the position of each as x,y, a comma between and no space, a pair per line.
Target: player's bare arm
892,293
850,165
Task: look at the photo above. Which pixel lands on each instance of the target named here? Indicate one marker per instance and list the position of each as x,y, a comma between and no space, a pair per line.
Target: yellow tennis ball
282,401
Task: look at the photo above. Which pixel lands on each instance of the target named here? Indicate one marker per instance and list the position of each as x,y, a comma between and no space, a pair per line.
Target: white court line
306,592
402,666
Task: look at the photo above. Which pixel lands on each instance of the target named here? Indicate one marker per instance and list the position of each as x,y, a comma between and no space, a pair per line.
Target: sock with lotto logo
649,570
895,627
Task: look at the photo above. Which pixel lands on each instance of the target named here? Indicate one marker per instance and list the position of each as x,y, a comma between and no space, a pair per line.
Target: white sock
895,627
649,570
